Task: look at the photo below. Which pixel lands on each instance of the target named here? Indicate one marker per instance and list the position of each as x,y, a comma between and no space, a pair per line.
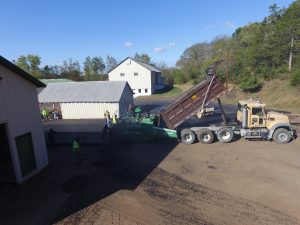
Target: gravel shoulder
244,182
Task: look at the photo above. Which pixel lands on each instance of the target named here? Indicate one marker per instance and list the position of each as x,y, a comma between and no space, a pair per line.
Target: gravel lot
244,182
238,183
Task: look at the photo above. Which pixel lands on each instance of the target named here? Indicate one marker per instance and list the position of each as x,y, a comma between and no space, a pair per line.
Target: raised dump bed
192,101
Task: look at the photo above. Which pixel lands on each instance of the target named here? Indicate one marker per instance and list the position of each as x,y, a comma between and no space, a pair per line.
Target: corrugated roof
17,70
88,91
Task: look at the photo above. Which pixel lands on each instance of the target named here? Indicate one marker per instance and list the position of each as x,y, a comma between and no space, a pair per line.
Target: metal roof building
22,142
89,99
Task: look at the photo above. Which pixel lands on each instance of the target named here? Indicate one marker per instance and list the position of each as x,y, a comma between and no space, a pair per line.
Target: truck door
257,117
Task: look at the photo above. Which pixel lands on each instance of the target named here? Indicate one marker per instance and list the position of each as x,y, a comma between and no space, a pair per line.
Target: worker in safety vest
107,117
114,119
45,114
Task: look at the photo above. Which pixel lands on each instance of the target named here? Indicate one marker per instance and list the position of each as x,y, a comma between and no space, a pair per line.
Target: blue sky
59,29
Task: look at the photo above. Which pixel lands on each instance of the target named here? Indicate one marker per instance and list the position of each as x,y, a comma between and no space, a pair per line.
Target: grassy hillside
277,94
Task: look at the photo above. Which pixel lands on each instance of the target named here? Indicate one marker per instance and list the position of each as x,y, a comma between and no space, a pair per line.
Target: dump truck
252,119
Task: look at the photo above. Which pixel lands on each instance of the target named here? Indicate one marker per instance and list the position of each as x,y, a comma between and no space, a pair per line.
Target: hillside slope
277,94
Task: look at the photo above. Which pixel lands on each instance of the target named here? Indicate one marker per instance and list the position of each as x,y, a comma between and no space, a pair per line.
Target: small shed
22,142
88,99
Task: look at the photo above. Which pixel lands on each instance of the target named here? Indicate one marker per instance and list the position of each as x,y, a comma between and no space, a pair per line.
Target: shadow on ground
71,183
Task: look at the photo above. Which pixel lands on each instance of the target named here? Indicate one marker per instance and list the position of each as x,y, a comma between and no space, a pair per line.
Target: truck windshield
258,111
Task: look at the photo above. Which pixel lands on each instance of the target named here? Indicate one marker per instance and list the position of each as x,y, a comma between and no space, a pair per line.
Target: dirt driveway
244,182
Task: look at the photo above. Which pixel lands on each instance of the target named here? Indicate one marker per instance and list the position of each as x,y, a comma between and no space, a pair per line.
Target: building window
140,91
122,74
146,90
136,74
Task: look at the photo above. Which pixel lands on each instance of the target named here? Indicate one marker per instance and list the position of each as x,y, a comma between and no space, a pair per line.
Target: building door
26,154
7,173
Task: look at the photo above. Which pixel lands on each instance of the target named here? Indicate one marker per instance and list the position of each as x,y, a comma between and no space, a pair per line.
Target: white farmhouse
143,79
88,99
22,142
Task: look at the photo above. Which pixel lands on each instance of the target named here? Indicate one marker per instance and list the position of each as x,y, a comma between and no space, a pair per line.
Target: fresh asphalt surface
89,130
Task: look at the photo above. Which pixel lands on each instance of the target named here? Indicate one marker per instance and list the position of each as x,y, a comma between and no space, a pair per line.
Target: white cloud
229,24
164,47
128,44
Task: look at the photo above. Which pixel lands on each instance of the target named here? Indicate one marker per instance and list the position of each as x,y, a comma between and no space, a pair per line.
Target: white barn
144,79
88,99
22,142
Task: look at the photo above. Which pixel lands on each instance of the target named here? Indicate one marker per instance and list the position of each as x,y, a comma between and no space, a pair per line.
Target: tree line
93,68
258,51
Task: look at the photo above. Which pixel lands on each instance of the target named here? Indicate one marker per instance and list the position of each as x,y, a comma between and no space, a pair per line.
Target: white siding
87,110
125,101
19,109
129,67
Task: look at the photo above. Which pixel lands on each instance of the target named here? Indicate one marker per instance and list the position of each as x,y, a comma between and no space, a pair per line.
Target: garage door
26,153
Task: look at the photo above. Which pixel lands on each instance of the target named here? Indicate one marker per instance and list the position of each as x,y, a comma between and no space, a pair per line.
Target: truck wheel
187,136
281,136
205,136
225,135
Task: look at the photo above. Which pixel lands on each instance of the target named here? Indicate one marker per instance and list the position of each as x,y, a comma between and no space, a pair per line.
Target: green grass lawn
276,94
174,92
171,94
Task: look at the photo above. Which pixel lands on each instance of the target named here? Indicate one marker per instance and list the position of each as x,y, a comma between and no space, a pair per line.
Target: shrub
178,76
250,83
295,78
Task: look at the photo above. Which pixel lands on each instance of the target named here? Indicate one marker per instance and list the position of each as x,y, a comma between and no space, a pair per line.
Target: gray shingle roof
88,91
147,66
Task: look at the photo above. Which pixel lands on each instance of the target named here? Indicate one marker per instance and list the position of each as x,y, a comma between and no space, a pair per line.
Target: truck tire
205,136
225,135
281,136
187,136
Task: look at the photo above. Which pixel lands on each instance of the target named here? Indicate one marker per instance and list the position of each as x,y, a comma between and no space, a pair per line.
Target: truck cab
256,122
256,114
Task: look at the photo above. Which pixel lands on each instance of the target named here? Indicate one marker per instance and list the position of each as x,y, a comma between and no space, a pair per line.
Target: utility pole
291,55
227,66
